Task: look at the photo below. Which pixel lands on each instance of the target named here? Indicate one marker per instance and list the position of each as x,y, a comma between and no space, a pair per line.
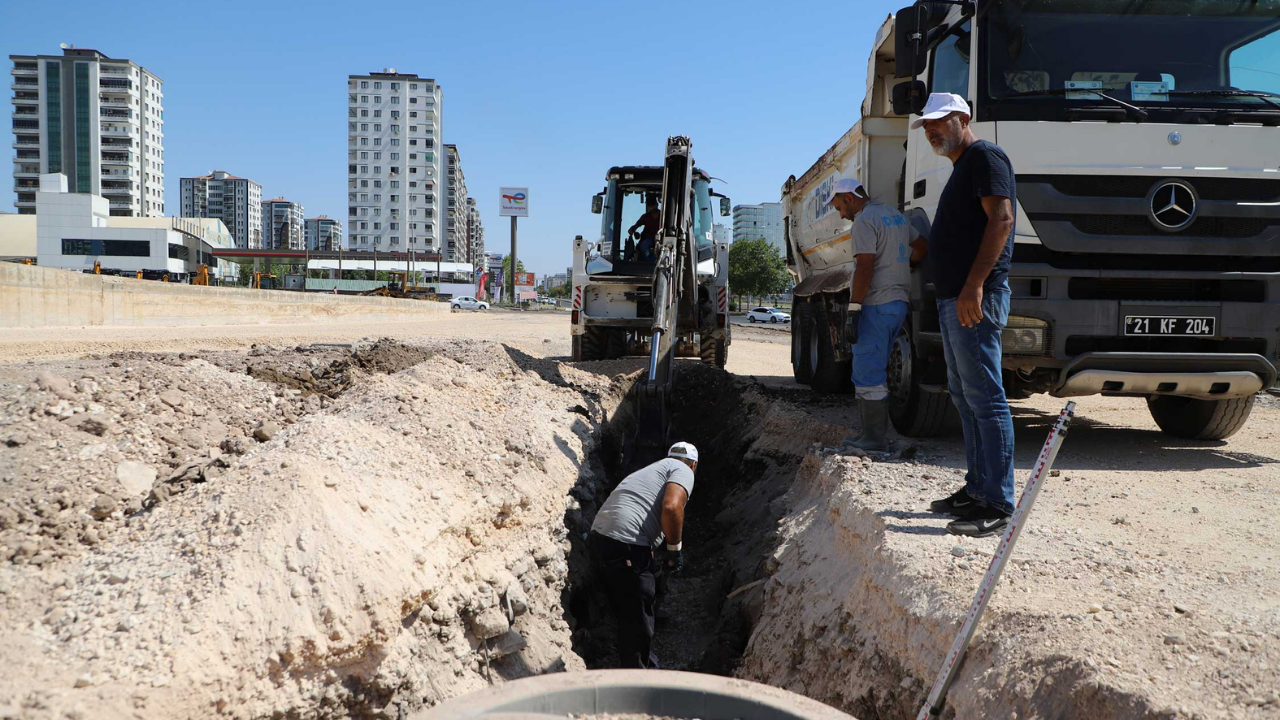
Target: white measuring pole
938,694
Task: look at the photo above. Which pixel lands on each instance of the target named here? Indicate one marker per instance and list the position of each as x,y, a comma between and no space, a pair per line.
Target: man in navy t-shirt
970,250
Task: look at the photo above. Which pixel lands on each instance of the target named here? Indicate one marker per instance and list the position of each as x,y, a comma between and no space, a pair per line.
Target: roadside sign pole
514,266
938,694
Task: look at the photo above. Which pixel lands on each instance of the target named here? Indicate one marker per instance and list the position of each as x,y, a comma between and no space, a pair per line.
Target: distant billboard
513,202
524,280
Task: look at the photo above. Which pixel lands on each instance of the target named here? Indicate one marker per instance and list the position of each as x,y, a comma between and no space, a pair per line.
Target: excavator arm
674,295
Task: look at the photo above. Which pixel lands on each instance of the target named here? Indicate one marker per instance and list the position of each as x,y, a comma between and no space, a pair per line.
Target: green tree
506,267
559,291
756,268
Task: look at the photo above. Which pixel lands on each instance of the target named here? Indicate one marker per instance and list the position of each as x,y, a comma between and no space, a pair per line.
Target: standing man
971,248
886,247
646,507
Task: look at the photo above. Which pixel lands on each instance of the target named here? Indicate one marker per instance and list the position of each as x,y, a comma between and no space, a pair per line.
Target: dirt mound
312,377
400,544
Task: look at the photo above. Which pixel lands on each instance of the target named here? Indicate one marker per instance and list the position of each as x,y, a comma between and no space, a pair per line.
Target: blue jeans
973,377
878,325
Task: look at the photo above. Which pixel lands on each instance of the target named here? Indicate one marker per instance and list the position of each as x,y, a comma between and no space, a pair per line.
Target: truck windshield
1039,58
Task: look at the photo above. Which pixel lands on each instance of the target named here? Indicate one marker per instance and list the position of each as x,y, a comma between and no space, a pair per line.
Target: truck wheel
1194,419
800,330
591,343
615,344
714,352
914,412
829,376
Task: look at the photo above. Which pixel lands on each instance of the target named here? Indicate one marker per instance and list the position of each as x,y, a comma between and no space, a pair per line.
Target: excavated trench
704,613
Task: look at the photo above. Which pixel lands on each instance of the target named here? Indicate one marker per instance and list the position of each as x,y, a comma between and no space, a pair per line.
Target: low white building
75,230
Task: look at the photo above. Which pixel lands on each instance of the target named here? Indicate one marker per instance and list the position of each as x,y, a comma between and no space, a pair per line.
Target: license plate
1157,325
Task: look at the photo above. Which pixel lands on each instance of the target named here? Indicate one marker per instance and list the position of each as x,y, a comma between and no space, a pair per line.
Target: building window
364,226
364,127
413,113
395,99
395,128
395,156
377,127
118,248
84,145
53,111
395,184
364,155
377,183
364,168
395,114
364,84
412,141
377,141
395,141
413,86
377,169
377,226
413,128
377,198
395,86
377,113
377,85
364,113
413,101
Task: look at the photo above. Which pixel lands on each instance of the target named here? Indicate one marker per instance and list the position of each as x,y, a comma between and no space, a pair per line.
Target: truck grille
1114,186
1131,225
1167,289
1079,344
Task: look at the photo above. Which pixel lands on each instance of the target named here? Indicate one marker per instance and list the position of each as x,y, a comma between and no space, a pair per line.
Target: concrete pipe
661,693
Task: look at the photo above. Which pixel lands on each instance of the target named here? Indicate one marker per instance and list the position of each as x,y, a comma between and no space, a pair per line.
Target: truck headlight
1024,336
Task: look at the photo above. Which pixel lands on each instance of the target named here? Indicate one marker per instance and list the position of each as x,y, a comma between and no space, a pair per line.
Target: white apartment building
236,201
394,165
323,233
752,222
457,236
95,119
282,225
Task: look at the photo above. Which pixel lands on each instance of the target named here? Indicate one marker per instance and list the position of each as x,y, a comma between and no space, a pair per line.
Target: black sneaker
982,522
959,504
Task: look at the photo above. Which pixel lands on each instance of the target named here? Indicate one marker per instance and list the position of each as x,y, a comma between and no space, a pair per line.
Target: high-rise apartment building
323,233
457,237
95,119
475,234
236,201
752,222
282,225
394,176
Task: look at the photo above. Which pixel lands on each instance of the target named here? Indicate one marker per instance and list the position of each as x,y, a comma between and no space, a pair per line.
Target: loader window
949,71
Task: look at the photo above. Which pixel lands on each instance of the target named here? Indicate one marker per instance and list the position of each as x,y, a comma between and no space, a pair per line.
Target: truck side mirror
724,207
910,49
909,97
597,204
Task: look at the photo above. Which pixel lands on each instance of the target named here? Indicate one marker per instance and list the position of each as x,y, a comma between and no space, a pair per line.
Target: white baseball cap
939,106
847,185
683,451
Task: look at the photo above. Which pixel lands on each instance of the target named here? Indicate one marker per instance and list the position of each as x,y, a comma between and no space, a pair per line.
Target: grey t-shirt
884,231
633,512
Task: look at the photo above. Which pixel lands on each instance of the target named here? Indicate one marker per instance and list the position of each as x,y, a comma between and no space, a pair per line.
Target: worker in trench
886,247
645,509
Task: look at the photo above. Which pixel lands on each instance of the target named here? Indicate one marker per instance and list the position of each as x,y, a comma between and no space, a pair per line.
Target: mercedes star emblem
1173,205
1175,138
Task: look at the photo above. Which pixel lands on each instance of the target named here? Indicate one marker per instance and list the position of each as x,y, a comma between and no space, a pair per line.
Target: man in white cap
886,247
646,508
970,251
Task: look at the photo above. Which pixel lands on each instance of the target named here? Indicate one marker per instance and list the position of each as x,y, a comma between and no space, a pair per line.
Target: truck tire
714,352
591,343
829,375
915,412
801,368
615,343
1194,419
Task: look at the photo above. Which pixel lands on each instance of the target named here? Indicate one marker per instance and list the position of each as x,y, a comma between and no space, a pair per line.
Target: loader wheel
800,331
591,343
1194,419
914,412
714,352
615,344
829,375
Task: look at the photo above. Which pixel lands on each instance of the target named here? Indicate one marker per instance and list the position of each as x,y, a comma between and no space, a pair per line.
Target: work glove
851,323
673,561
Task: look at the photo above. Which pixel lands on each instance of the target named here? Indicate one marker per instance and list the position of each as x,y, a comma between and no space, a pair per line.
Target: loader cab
623,202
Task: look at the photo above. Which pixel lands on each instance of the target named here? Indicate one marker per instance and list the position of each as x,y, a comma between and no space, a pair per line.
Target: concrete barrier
33,296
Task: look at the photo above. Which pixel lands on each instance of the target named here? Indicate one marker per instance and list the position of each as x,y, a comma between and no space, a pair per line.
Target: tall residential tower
282,225
236,201
394,177
95,119
457,237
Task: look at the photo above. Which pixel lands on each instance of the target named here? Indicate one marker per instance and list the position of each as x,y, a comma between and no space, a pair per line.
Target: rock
266,431
516,598
490,624
136,477
84,681
1174,640
92,423
59,386
1094,608
461,381
103,506
506,644
958,550
1195,510
117,579
17,439
172,398
89,452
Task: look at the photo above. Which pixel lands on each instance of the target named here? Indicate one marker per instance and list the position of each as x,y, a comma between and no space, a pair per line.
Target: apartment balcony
27,155
33,99
115,174
27,141
109,101
25,82
115,142
108,70
108,113
25,68
119,131
117,158
26,111
26,184
26,198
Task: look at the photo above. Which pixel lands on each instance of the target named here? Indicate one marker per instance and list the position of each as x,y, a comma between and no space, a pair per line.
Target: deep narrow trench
730,529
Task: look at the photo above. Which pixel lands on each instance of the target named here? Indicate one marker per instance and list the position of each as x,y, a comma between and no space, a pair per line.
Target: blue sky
542,94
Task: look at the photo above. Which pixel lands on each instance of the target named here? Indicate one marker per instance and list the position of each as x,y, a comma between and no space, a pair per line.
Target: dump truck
1146,260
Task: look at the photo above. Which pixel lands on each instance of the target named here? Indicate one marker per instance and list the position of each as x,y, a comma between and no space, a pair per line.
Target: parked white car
767,314
468,303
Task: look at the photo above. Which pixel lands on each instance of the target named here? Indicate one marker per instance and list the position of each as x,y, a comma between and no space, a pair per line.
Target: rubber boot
875,426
